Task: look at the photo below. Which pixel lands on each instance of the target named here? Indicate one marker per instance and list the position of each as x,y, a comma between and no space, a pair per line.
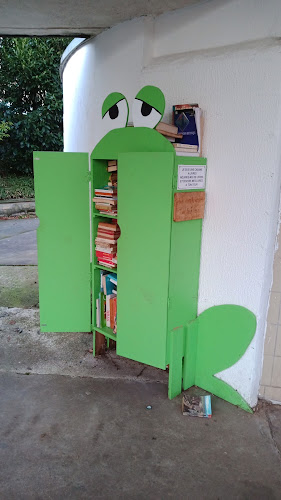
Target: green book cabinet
161,200
158,258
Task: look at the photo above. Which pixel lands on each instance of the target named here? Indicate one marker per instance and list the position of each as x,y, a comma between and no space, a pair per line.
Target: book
106,190
112,168
102,310
189,119
181,153
108,236
184,119
108,245
114,233
111,313
108,226
107,264
108,298
112,163
169,134
178,145
106,249
104,195
180,107
197,406
166,127
110,201
105,256
187,150
108,212
98,313
114,305
106,207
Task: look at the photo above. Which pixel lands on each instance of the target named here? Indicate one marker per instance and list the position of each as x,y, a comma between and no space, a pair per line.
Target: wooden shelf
104,268
107,332
108,216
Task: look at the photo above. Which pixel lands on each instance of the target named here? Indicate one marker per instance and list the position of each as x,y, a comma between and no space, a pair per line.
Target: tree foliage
30,99
4,127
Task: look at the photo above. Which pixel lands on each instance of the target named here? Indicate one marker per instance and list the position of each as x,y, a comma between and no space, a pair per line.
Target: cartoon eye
115,112
148,107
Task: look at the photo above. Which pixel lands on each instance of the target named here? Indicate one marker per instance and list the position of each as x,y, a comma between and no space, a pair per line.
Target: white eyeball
115,117
145,115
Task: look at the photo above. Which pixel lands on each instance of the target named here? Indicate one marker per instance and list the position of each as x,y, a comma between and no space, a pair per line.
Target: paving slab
18,244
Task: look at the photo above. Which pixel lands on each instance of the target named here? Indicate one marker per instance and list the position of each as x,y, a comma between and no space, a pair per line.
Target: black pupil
145,109
113,112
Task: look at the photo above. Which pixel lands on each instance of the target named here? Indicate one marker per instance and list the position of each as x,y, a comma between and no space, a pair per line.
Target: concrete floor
77,427
79,438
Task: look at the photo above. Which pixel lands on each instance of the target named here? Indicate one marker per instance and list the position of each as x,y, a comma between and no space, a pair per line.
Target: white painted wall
227,57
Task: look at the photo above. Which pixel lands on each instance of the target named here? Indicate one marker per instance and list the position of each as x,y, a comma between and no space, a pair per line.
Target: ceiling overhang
72,18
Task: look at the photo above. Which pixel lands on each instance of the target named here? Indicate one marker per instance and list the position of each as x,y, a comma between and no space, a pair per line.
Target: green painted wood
176,340
185,261
63,237
131,140
144,217
105,216
107,332
189,364
104,268
184,272
223,335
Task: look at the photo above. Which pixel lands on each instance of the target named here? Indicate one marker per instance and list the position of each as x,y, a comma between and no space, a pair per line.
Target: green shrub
16,187
30,100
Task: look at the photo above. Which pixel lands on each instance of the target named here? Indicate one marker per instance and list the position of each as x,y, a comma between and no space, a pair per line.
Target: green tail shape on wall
213,342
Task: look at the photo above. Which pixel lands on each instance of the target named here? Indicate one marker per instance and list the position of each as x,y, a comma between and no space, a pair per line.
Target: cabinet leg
100,343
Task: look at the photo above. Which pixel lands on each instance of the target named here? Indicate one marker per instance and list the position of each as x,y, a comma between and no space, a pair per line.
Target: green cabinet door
63,240
144,217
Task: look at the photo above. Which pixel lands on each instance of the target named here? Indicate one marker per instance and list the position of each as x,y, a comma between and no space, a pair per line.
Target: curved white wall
225,56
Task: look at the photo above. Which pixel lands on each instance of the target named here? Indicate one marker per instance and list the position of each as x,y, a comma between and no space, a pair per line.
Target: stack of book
169,131
185,149
188,120
112,166
106,200
106,243
106,304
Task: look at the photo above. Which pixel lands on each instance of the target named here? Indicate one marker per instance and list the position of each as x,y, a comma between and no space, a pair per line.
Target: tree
4,127
30,99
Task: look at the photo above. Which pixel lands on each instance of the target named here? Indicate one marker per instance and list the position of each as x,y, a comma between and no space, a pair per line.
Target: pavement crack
272,434
141,372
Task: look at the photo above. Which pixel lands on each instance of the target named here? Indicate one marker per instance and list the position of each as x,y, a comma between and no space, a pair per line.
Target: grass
16,187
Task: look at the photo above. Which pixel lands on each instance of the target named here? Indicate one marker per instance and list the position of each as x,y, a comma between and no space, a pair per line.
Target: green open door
63,239
144,217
